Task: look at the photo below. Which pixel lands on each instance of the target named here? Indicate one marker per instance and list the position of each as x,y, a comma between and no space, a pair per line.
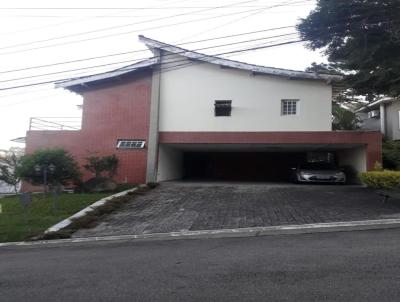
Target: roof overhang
376,104
85,82
255,69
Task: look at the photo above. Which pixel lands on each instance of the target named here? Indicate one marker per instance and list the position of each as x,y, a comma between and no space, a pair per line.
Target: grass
17,223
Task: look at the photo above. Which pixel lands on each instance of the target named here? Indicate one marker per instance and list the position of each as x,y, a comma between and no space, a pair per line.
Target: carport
251,162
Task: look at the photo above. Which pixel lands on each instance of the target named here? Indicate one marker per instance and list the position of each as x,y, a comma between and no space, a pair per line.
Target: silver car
318,172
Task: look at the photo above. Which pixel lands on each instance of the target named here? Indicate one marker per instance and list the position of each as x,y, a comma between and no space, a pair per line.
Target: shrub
98,165
99,184
384,180
65,170
391,155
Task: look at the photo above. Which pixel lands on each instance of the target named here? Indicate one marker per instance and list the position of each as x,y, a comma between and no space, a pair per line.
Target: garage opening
241,166
238,163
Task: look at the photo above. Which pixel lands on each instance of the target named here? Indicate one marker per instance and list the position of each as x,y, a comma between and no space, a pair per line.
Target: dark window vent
223,108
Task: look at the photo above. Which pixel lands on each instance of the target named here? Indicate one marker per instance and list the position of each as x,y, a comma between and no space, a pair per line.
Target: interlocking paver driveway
176,206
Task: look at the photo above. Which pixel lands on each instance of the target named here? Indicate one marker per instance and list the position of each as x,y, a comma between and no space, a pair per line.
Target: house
185,114
382,115
6,188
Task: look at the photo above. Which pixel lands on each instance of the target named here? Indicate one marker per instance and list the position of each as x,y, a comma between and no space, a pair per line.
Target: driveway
178,206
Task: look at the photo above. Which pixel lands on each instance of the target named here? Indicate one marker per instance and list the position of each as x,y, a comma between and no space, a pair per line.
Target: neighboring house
5,188
382,115
186,114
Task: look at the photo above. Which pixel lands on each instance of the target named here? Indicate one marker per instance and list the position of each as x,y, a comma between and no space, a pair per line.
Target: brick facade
118,111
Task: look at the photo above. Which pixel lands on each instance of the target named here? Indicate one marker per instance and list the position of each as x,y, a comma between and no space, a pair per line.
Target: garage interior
259,163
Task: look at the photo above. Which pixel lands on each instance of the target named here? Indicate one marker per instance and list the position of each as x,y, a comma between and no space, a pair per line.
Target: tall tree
360,37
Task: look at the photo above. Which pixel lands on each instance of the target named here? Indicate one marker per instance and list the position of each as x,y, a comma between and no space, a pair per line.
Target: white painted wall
393,120
188,95
170,164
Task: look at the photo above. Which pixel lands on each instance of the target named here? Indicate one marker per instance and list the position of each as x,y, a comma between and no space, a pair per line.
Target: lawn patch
17,223
93,216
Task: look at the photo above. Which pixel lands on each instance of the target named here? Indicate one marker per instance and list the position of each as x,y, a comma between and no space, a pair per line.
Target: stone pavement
178,206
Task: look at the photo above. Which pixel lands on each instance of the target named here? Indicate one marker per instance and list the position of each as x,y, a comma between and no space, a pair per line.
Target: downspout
382,114
152,144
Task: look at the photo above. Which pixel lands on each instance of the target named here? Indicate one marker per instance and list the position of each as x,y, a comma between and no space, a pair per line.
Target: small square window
289,107
130,144
223,108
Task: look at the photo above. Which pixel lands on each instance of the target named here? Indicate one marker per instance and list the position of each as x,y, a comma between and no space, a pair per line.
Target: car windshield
317,166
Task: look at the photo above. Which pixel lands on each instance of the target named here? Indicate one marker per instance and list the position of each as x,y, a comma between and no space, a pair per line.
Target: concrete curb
66,222
230,233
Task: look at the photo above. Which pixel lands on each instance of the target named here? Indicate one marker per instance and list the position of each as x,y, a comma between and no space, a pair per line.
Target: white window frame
128,144
289,110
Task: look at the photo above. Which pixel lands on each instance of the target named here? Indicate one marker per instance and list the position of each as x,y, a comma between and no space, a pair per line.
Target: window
130,144
223,108
289,107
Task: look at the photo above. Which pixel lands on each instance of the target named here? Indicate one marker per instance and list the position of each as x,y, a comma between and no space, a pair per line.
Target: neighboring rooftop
75,84
375,105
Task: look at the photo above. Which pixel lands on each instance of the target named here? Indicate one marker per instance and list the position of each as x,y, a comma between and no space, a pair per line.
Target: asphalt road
354,266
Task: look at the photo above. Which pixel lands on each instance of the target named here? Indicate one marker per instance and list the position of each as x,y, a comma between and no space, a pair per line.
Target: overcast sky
36,33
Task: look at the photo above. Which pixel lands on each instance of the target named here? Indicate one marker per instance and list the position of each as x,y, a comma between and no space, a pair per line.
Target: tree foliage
9,162
66,169
344,119
361,38
391,155
98,165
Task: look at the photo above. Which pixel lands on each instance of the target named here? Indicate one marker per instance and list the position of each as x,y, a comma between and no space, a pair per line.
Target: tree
361,38
33,167
9,162
391,155
344,119
98,165
324,68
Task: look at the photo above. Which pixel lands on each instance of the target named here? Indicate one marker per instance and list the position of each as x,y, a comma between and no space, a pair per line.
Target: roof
21,140
83,81
151,43
376,104
78,83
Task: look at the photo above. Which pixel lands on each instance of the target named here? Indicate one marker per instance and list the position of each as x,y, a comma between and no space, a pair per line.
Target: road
352,266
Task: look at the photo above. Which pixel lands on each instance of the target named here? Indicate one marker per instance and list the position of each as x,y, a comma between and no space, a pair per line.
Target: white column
382,114
152,144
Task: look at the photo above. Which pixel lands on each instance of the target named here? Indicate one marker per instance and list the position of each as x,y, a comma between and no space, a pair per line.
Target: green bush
391,155
65,171
384,180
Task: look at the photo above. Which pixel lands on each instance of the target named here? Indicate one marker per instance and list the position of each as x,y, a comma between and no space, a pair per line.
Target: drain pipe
382,114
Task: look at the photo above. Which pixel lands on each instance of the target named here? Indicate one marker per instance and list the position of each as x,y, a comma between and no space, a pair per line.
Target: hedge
383,180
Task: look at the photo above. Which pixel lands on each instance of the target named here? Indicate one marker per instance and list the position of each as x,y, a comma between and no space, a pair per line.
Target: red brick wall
371,139
109,113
